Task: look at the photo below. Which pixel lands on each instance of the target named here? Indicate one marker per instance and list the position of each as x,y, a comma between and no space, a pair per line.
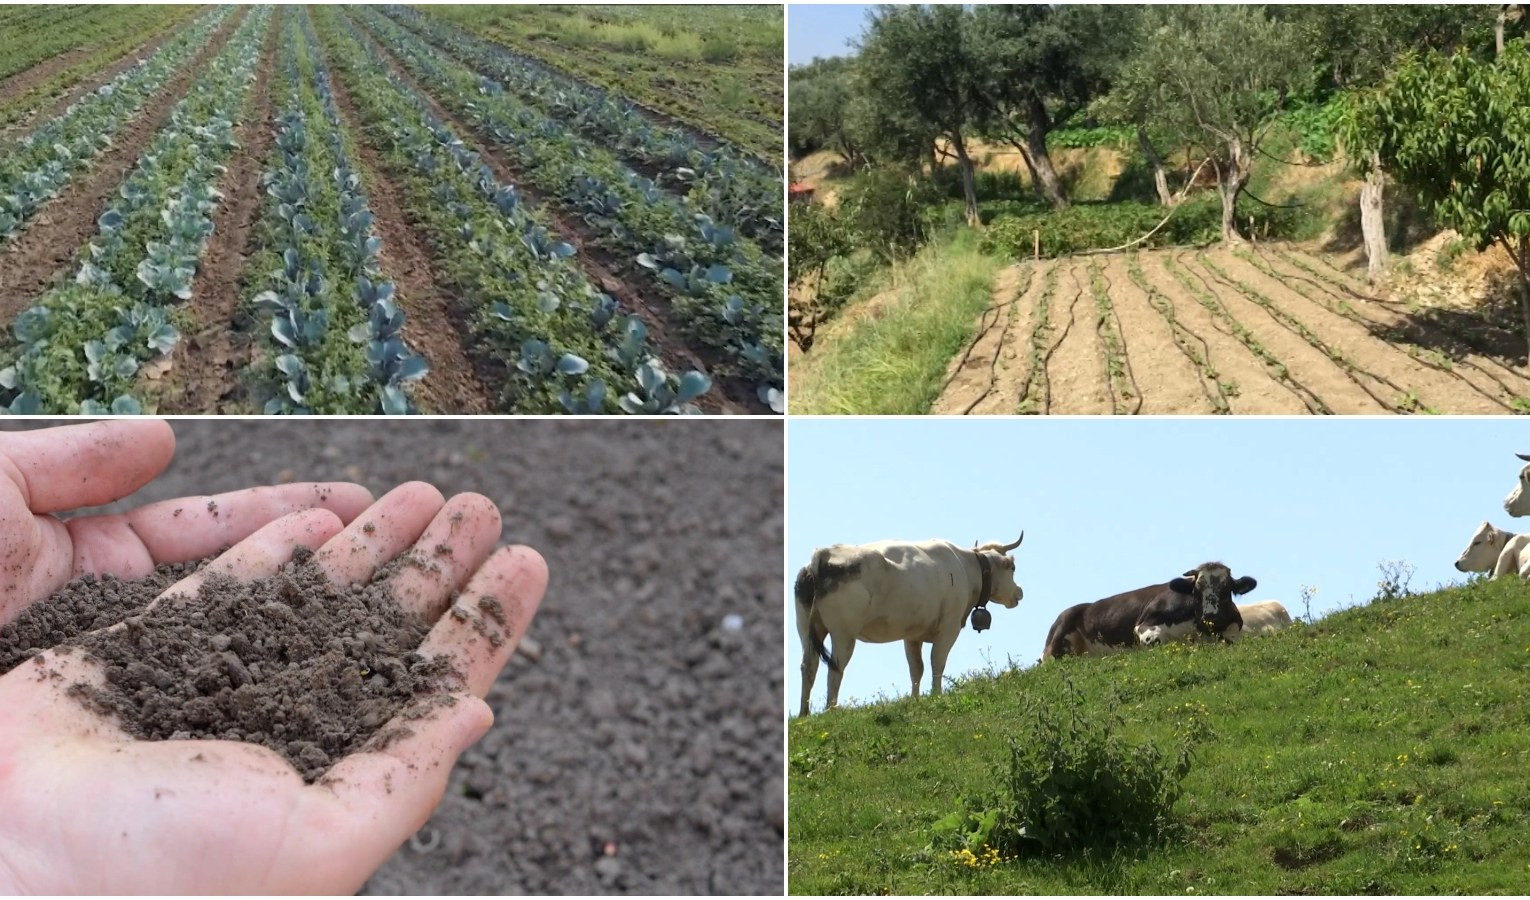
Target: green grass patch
1383,749
892,362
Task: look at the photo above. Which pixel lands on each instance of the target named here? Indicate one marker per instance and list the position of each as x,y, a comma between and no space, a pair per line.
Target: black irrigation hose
1297,327
984,327
1406,345
1120,334
1046,379
1043,313
1314,404
1178,330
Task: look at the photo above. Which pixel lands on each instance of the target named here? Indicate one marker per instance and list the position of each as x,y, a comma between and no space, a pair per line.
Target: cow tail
807,594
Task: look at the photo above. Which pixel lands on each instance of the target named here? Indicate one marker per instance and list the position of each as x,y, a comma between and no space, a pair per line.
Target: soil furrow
1375,387
1167,383
206,363
41,254
1393,322
1424,388
974,384
1033,389
436,325
1327,388
1076,365
1246,380
1125,392
602,268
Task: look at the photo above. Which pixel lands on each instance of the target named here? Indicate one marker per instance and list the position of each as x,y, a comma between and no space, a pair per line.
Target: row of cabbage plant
35,168
81,346
730,187
564,345
725,293
333,336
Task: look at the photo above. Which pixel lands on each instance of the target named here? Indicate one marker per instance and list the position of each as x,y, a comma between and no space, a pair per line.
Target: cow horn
1008,547
1523,456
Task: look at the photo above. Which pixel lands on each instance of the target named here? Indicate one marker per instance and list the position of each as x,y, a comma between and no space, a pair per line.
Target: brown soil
728,396
436,325
1076,358
289,662
85,604
1250,387
25,80
96,79
987,382
1169,383
34,259
205,362
1393,372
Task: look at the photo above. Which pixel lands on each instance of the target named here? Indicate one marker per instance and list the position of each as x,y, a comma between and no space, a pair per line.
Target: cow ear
1244,585
1182,586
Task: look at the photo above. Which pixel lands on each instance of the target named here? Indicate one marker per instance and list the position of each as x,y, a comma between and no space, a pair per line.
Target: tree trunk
1040,160
1030,167
1160,178
1522,262
1503,15
969,190
1372,224
1234,177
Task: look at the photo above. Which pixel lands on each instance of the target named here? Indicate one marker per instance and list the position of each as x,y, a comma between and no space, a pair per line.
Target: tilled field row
1273,331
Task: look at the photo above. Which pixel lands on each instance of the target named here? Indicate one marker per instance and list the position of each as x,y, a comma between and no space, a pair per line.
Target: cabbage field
355,210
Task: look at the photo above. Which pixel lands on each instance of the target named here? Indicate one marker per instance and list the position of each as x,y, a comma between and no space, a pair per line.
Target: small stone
609,868
732,622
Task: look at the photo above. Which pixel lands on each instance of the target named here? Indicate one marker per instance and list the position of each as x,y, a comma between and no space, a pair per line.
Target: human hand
89,810
55,470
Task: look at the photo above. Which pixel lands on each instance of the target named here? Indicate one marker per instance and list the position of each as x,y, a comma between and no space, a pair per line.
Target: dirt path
26,79
602,269
205,366
1463,353
436,325
1076,360
1413,386
1169,382
985,382
34,259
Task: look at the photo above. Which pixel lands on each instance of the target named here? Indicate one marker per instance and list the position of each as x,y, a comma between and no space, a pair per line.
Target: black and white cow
1197,604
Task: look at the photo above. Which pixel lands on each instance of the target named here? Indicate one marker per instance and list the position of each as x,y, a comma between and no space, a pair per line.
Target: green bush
1094,226
887,212
1316,126
1072,783
1118,136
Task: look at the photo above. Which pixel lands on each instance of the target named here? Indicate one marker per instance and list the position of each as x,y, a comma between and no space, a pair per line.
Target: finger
86,465
454,545
488,620
381,533
373,800
130,545
264,552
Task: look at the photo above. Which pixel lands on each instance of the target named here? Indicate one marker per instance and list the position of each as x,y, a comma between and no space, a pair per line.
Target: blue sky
1109,504
814,30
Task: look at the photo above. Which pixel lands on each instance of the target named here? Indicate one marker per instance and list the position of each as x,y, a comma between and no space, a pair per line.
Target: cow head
1482,553
1213,583
1518,502
1003,590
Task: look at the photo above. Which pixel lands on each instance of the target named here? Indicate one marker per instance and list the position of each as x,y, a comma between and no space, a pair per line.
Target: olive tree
1223,72
1456,130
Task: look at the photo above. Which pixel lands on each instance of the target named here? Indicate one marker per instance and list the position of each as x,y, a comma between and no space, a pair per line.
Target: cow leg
938,655
809,675
914,650
843,650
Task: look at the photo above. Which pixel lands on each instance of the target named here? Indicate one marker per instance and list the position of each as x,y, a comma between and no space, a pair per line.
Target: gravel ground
638,747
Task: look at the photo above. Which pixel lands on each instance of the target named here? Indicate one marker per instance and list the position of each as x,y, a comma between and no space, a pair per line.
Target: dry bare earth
1273,331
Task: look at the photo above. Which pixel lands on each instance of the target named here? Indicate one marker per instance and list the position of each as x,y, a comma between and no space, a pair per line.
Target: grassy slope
892,362
718,68
1384,750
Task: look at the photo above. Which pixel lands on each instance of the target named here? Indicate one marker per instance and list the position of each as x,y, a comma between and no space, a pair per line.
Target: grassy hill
1383,750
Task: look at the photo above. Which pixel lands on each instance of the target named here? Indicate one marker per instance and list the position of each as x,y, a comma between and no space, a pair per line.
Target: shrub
887,210
1093,226
1071,783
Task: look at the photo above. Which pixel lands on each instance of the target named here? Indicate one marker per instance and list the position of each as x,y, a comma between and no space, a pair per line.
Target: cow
1493,549
1197,603
918,592
1264,617
1518,502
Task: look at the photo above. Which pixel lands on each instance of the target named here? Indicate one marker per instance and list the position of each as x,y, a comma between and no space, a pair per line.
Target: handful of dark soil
289,662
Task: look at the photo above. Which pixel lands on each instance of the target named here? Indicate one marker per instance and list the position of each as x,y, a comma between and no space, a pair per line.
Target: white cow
1496,550
1518,502
1264,617
919,592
